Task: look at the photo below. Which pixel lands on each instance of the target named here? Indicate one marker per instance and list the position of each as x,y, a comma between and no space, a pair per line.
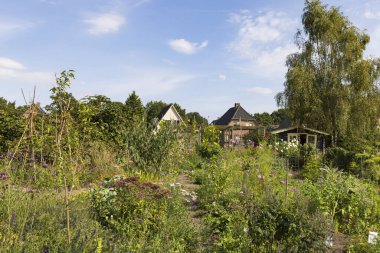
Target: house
287,132
235,124
169,114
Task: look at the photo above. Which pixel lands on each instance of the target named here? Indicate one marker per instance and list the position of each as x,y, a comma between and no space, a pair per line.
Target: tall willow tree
329,85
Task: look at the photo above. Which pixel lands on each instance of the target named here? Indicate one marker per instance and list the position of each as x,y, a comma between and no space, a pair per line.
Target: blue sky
204,55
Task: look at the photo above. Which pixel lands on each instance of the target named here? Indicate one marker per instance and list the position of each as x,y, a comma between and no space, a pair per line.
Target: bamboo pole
67,211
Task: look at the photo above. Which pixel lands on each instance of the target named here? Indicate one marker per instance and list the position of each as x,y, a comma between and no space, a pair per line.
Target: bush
209,146
149,148
128,203
143,216
312,167
339,158
276,225
351,204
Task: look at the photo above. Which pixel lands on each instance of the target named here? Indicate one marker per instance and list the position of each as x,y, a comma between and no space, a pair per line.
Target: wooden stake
67,211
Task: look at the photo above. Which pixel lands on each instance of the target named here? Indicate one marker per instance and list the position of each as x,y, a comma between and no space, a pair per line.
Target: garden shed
287,132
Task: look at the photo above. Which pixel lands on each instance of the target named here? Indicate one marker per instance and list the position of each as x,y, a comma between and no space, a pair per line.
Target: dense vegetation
94,175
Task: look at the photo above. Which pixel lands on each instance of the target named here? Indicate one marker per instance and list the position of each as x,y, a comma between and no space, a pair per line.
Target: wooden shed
287,132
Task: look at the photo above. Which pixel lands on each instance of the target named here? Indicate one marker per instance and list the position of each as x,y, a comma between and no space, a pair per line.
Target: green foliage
367,164
209,146
153,108
253,136
35,222
278,116
352,205
103,119
339,158
197,119
123,204
11,124
135,111
263,119
312,167
149,149
329,85
276,225
144,216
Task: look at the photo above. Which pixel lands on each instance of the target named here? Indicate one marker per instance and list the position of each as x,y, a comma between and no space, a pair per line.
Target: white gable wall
171,115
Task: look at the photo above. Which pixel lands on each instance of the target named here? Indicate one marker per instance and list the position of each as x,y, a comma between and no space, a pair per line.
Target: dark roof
163,112
286,125
237,112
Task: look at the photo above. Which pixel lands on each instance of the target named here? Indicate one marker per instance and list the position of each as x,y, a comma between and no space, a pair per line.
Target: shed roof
286,125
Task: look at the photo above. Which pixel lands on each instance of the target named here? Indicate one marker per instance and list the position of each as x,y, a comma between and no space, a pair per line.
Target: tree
195,117
135,111
329,85
11,123
263,119
153,108
278,116
104,119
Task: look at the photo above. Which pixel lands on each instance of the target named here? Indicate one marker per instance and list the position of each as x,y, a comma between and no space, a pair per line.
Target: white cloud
373,48
185,47
148,82
10,64
12,70
275,57
260,90
222,77
8,27
52,2
262,43
105,23
267,28
369,14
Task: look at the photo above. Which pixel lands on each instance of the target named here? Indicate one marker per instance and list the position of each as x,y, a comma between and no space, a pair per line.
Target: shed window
292,137
312,139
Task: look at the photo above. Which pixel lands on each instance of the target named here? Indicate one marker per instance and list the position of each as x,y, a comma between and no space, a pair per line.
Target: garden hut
304,135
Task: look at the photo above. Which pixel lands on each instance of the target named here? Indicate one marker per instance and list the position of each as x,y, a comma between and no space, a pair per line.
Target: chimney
237,105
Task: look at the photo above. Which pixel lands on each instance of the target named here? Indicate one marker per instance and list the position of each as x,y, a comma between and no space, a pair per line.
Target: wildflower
1,157
44,165
3,176
77,236
282,182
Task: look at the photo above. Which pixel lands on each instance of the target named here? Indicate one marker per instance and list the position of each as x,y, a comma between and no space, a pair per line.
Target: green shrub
209,146
143,216
351,204
339,158
312,167
128,203
33,221
149,148
276,225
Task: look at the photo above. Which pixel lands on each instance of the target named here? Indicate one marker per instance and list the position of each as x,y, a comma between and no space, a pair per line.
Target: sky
203,54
